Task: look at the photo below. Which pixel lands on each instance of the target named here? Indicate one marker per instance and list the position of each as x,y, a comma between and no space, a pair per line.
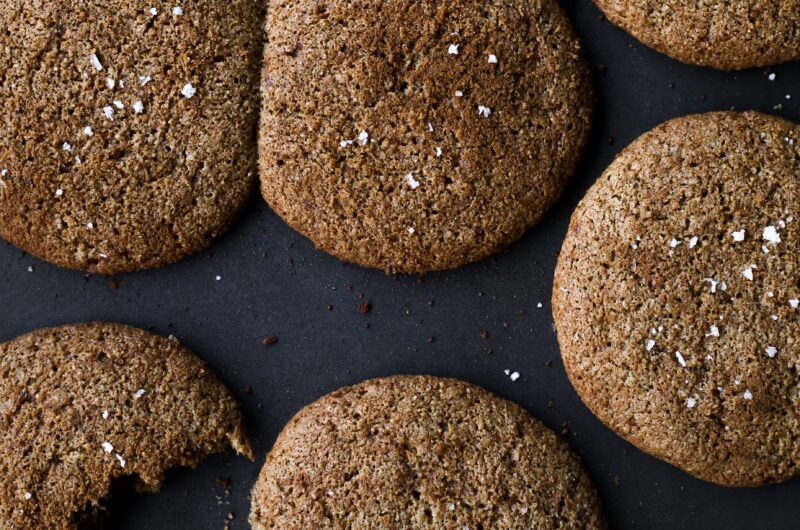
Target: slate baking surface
484,318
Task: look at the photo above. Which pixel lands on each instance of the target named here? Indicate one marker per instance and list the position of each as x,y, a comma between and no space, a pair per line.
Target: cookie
128,131
81,405
728,36
421,452
676,296
413,136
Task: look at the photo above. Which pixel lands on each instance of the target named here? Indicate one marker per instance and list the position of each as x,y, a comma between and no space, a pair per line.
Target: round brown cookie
413,136
676,296
724,35
421,452
127,131
81,405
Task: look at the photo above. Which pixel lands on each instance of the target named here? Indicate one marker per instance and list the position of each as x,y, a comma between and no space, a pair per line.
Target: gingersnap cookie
728,36
413,136
421,452
81,405
676,296
128,131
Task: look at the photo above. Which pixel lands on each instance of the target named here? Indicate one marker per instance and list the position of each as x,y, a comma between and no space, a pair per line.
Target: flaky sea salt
96,62
188,91
680,359
412,182
771,234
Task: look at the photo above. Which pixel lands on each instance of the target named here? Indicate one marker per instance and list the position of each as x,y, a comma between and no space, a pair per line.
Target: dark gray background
273,282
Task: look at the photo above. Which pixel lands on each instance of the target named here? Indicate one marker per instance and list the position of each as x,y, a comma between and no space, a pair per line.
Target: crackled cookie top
421,452
81,405
676,296
412,136
126,131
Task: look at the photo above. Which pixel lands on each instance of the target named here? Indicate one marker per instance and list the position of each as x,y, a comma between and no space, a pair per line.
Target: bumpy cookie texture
676,296
413,136
82,405
128,131
421,452
724,35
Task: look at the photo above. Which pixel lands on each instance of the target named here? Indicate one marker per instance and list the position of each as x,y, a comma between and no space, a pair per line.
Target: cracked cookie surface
676,296
127,131
82,405
421,452
413,136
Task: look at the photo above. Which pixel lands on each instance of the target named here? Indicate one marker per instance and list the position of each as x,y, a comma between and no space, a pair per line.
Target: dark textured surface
262,293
